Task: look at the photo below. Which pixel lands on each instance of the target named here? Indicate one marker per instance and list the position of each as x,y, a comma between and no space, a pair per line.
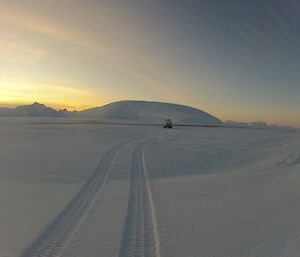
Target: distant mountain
132,112
8,112
65,113
148,112
122,111
37,110
34,110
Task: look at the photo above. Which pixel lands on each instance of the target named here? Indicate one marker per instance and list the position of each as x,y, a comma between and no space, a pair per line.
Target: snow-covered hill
8,112
36,110
122,111
148,112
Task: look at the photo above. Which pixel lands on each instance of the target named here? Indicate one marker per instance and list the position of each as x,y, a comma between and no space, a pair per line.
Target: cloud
263,28
109,44
29,21
59,93
18,49
159,85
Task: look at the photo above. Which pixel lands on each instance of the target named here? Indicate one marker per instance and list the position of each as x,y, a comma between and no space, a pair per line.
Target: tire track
140,233
58,234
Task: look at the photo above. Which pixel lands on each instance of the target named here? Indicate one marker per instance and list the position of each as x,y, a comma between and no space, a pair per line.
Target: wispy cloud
263,27
164,88
35,23
18,49
22,90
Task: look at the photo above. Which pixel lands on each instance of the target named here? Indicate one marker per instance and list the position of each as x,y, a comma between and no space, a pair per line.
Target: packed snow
84,190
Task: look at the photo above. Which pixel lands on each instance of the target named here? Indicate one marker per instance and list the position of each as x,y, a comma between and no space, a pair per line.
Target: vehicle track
58,234
140,233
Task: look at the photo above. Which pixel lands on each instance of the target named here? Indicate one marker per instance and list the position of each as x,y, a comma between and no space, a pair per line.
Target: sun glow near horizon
60,95
14,92
81,54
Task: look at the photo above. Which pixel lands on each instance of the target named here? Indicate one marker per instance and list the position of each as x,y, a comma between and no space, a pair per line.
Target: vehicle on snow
167,123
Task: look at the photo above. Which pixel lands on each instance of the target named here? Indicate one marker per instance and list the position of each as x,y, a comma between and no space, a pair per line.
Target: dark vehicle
167,123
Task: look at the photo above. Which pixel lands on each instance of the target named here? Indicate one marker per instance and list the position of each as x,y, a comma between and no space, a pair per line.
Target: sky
236,59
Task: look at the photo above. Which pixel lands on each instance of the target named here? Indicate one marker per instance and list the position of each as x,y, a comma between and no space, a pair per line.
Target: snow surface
196,191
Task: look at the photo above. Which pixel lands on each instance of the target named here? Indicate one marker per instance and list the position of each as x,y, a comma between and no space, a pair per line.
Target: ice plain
189,191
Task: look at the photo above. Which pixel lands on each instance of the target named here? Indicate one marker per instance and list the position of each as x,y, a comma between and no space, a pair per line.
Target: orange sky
80,54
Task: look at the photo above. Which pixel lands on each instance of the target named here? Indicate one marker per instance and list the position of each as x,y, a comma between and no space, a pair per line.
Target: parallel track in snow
140,233
57,235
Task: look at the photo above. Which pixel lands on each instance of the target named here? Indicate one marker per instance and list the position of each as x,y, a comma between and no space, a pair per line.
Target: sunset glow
81,54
